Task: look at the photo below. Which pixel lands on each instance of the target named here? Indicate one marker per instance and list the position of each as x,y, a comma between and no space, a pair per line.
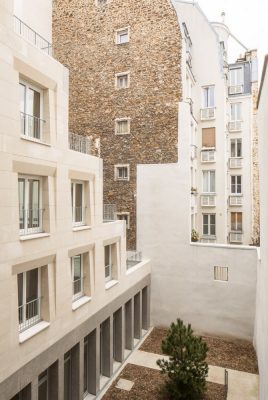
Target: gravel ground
147,386
223,352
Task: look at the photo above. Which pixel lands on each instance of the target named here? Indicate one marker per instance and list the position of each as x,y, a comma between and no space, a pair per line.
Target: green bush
186,370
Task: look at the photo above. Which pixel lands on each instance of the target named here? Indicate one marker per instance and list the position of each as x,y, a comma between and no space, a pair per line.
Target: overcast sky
247,19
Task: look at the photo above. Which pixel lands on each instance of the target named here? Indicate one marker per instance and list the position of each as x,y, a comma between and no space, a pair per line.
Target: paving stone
124,384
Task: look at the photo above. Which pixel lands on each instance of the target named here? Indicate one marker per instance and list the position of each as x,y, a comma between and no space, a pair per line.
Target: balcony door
30,209
30,111
77,190
236,222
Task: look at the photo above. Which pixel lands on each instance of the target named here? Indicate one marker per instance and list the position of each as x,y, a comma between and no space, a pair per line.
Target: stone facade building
136,117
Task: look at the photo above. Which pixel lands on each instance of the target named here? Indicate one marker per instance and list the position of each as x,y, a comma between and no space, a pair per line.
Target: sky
246,19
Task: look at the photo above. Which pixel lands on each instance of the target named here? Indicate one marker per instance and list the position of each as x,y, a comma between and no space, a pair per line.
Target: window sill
34,330
23,238
29,139
80,302
110,284
81,228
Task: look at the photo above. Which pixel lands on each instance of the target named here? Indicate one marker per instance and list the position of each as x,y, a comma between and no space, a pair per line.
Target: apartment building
71,308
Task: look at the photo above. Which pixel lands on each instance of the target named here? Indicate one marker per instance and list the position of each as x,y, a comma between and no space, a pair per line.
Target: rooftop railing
109,212
80,143
31,36
133,258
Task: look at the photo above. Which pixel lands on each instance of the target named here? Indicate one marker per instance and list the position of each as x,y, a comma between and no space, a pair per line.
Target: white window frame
221,274
236,185
236,223
34,320
237,107
78,295
109,266
127,218
116,174
235,142
207,96
233,77
209,172
118,34
209,224
25,208
117,122
83,217
119,75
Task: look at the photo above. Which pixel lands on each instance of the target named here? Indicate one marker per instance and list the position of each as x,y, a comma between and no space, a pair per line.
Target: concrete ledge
34,330
81,228
34,236
80,302
110,284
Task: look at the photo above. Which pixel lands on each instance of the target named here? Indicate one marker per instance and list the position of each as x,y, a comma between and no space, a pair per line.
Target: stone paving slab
124,384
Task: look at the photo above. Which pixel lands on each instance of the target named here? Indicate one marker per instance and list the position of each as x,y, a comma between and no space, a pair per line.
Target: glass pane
211,96
78,195
205,181
239,148
43,386
21,187
31,285
20,289
77,267
233,152
22,97
33,203
107,255
34,103
212,181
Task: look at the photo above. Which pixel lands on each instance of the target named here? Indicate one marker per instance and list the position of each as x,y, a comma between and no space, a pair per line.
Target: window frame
236,230
116,174
81,293
117,122
235,185
82,222
233,78
120,75
209,224
237,107
207,96
31,321
235,143
42,380
117,35
109,266
209,172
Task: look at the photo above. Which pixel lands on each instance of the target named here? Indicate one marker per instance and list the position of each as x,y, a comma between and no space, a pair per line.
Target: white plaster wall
261,330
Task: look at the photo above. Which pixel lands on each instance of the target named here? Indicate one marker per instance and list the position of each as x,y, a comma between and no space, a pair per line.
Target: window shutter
208,137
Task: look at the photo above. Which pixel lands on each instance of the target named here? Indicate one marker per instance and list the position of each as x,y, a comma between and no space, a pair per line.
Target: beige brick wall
84,41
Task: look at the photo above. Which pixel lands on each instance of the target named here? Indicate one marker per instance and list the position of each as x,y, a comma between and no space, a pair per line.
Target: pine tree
186,369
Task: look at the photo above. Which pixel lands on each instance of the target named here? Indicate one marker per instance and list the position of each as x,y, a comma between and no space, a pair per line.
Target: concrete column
107,347
94,361
34,389
146,308
53,381
129,325
81,369
137,316
118,336
61,378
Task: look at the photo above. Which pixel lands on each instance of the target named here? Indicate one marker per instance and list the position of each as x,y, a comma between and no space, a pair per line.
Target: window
30,205
29,298
236,76
24,394
122,36
31,105
236,112
77,190
122,126
68,376
208,137
108,262
124,216
209,182
122,172
122,80
236,184
77,276
236,221
221,273
209,224
208,97
43,386
236,148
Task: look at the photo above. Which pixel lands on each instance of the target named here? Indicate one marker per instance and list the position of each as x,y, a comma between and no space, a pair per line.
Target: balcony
235,200
236,237
29,314
32,127
208,239
208,155
82,144
193,152
235,162
109,212
236,89
208,200
235,126
31,36
133,258
207,114
31,221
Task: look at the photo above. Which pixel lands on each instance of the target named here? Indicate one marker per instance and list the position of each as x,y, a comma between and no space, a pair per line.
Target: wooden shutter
208,137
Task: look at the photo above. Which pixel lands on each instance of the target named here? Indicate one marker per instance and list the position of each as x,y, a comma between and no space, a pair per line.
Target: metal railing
109,212
31,220
82,144
235,126
31,36
77,289
79,216
236,237
235,162
236,89
236,200
207,113
208,155
29,314
208,200
31,126
133,258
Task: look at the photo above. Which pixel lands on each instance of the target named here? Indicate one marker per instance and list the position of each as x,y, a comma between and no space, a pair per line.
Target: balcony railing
235,126
31,221
32,127
208,200
236,237
80,143
77,289
236,89
235,200
109,212
235,162
79,216
29,314
31,36
108,272
208,155
208,239
133,258
207,113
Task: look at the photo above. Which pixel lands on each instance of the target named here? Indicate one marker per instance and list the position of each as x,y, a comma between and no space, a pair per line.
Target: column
118,336
107,347
137,316
94,361
146,308
129,325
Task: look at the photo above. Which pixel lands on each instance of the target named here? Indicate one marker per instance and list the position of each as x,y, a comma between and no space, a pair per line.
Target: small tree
187,368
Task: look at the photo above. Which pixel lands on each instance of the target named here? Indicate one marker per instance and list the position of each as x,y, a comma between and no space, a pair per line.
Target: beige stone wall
84,41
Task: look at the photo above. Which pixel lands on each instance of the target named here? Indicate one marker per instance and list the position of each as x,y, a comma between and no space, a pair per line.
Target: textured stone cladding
84,41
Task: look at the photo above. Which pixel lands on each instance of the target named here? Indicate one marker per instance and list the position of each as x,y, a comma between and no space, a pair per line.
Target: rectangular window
208,137
122,36
236,184
43,393
124,217
77,276
24,394
68,376
31,111
122,80
29,298
236,77
209,97
221,273
236,148
209,224
209,182
30,205
236,221
122,126
108,262
78,209
122,172
236,113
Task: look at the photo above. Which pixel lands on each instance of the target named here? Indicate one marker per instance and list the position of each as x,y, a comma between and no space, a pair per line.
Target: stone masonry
84,33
